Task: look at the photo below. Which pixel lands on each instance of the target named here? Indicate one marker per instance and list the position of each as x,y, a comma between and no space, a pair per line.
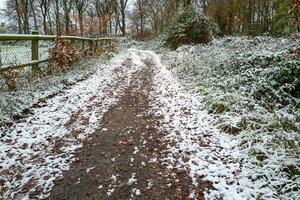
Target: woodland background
147,18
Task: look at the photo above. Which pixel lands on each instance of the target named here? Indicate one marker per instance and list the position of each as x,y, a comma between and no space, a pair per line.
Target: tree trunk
34,15
57,17
100,25
50,24
81,25
67,16
17,8
26,16
123,23
45,24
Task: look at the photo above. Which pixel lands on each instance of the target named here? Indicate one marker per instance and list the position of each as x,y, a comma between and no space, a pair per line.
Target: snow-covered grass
36,150
34,89
252,120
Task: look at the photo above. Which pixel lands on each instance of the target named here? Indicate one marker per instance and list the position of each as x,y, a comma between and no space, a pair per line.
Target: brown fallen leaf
98,175
2,182
123,142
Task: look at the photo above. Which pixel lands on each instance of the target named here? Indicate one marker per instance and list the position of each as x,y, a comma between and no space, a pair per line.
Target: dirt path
130,131
121,160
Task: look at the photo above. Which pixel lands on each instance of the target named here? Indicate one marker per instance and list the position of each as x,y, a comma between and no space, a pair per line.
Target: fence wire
12,53
15,53
19,52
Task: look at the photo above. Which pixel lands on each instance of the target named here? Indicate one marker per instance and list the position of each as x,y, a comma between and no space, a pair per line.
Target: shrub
64,54
144,36
218,108
295,54
189,28
288,78
11,79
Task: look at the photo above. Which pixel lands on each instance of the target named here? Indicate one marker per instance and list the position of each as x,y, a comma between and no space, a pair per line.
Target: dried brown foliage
295,54
64,54
11,79
295,7
144,36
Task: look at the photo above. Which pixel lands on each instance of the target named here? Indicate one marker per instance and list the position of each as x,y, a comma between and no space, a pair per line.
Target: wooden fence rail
94,43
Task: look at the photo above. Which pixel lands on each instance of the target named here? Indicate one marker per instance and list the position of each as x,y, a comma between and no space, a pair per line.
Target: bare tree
122,7
67,6
34,13
141,12
44,7
104,10
22,9
81,6
57,16
154,13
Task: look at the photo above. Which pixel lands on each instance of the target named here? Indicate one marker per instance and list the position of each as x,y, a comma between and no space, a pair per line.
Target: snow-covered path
40,149
36,150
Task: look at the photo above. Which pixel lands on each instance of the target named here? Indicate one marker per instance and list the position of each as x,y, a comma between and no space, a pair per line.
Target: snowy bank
235,129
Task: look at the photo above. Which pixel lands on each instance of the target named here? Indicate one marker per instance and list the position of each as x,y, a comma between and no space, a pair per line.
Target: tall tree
34,13
122,7
57,17
81,6
295,12
45,7
67,6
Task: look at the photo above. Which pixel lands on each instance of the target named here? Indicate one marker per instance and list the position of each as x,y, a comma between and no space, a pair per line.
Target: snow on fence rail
31,53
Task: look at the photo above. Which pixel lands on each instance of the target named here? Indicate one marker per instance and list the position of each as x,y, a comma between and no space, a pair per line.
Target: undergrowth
251,86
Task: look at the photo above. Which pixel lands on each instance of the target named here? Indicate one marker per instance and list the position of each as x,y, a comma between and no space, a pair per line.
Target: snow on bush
189,28
251,87
64,53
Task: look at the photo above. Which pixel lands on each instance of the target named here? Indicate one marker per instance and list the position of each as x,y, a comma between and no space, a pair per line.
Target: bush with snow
189,28
251,87
64,53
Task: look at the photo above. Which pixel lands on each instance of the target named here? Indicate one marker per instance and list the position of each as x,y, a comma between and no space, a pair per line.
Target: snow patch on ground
132,180
136,192
112,186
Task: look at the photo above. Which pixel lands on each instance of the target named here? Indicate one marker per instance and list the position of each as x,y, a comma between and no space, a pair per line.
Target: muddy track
122,159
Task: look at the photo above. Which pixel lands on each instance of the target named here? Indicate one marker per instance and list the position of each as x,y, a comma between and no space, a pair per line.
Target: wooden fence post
91,45
96,45
73,43
82,45
35,52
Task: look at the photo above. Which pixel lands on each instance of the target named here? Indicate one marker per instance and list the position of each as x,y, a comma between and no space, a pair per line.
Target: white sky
2,4
130,3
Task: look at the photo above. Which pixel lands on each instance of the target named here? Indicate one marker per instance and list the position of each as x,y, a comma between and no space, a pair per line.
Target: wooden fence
93,43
